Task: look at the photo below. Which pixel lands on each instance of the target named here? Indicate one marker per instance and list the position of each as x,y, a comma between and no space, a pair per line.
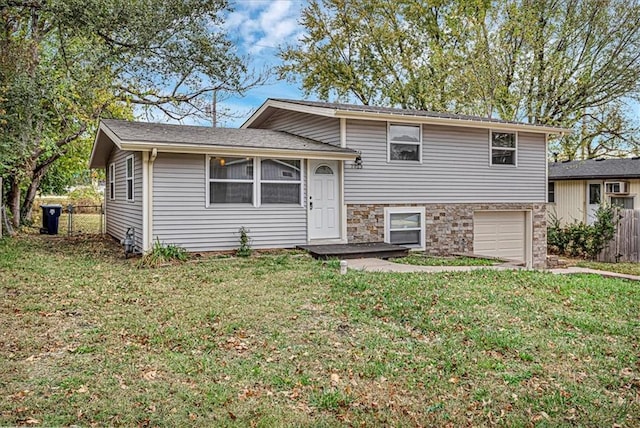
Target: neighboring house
577,188
309,172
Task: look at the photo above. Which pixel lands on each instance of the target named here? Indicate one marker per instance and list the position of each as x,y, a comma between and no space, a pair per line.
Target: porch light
222,161
357,162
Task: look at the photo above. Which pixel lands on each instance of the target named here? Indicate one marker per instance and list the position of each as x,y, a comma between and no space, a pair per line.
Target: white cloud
258,28
264,25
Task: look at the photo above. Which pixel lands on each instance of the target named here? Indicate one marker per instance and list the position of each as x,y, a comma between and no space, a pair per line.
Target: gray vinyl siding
319,128
180,216
455,168
120,213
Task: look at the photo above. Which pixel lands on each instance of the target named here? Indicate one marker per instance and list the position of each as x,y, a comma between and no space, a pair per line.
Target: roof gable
354,111
144,136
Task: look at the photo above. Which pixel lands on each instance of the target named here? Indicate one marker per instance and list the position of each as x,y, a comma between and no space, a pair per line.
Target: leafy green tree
382,52
65,63
573,63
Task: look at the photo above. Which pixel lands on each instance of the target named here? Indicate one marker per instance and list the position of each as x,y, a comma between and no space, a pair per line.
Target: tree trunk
14,202
26,212
37,174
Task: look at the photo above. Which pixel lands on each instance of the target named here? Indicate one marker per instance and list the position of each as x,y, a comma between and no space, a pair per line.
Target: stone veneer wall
449,227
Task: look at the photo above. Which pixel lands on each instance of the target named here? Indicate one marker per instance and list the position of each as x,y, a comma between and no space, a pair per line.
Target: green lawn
90,339
422,260
627,268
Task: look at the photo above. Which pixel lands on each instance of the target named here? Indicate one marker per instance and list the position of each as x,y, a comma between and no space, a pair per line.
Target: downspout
147,199
343,132
344,210
152,159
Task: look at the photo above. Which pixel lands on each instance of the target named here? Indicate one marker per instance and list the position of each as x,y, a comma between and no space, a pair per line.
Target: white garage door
499,234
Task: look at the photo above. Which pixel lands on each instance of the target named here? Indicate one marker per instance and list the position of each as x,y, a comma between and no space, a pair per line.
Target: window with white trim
280,181
112,181
551,192
404,226
504,148
129,171
404,142
231,180
624,202
234,180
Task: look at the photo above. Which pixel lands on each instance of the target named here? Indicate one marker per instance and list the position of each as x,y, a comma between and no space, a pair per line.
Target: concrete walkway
379,265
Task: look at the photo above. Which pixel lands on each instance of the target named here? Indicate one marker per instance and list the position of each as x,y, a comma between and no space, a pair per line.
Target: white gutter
236,151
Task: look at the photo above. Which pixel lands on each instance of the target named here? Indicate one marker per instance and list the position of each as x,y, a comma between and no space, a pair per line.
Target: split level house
303,172
577,188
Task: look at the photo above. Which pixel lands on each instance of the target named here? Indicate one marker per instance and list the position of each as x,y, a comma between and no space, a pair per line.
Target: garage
500,234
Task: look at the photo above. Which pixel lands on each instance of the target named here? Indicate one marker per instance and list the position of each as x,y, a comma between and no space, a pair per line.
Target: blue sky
258,28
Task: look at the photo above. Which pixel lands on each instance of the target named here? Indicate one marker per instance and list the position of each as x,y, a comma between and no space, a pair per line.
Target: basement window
404,226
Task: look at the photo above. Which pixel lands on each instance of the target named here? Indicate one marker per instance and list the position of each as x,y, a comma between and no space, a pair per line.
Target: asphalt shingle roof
595,168
400,112
216,137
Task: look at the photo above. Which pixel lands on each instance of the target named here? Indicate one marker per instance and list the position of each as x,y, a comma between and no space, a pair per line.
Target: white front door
324,200
594,198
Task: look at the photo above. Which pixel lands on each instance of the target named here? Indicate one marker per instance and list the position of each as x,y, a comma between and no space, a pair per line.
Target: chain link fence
82,219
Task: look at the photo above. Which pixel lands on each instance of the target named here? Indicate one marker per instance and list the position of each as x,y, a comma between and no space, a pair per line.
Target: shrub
161,254
85,195
578,239
244,250
604,229
556,238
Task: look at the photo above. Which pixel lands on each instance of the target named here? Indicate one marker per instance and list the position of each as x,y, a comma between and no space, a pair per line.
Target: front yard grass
89,338
420,259
626,268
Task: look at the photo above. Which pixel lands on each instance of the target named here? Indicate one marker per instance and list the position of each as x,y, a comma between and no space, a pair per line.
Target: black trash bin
50,218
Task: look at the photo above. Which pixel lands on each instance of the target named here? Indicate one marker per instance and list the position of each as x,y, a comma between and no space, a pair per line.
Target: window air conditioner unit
616,187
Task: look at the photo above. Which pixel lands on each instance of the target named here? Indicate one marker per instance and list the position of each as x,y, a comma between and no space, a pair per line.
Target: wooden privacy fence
624,245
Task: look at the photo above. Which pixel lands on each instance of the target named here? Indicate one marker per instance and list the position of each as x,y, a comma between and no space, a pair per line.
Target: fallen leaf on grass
539,417
293,395
150,375
20,394
247,392
335,379
82,390
571,415
121,382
